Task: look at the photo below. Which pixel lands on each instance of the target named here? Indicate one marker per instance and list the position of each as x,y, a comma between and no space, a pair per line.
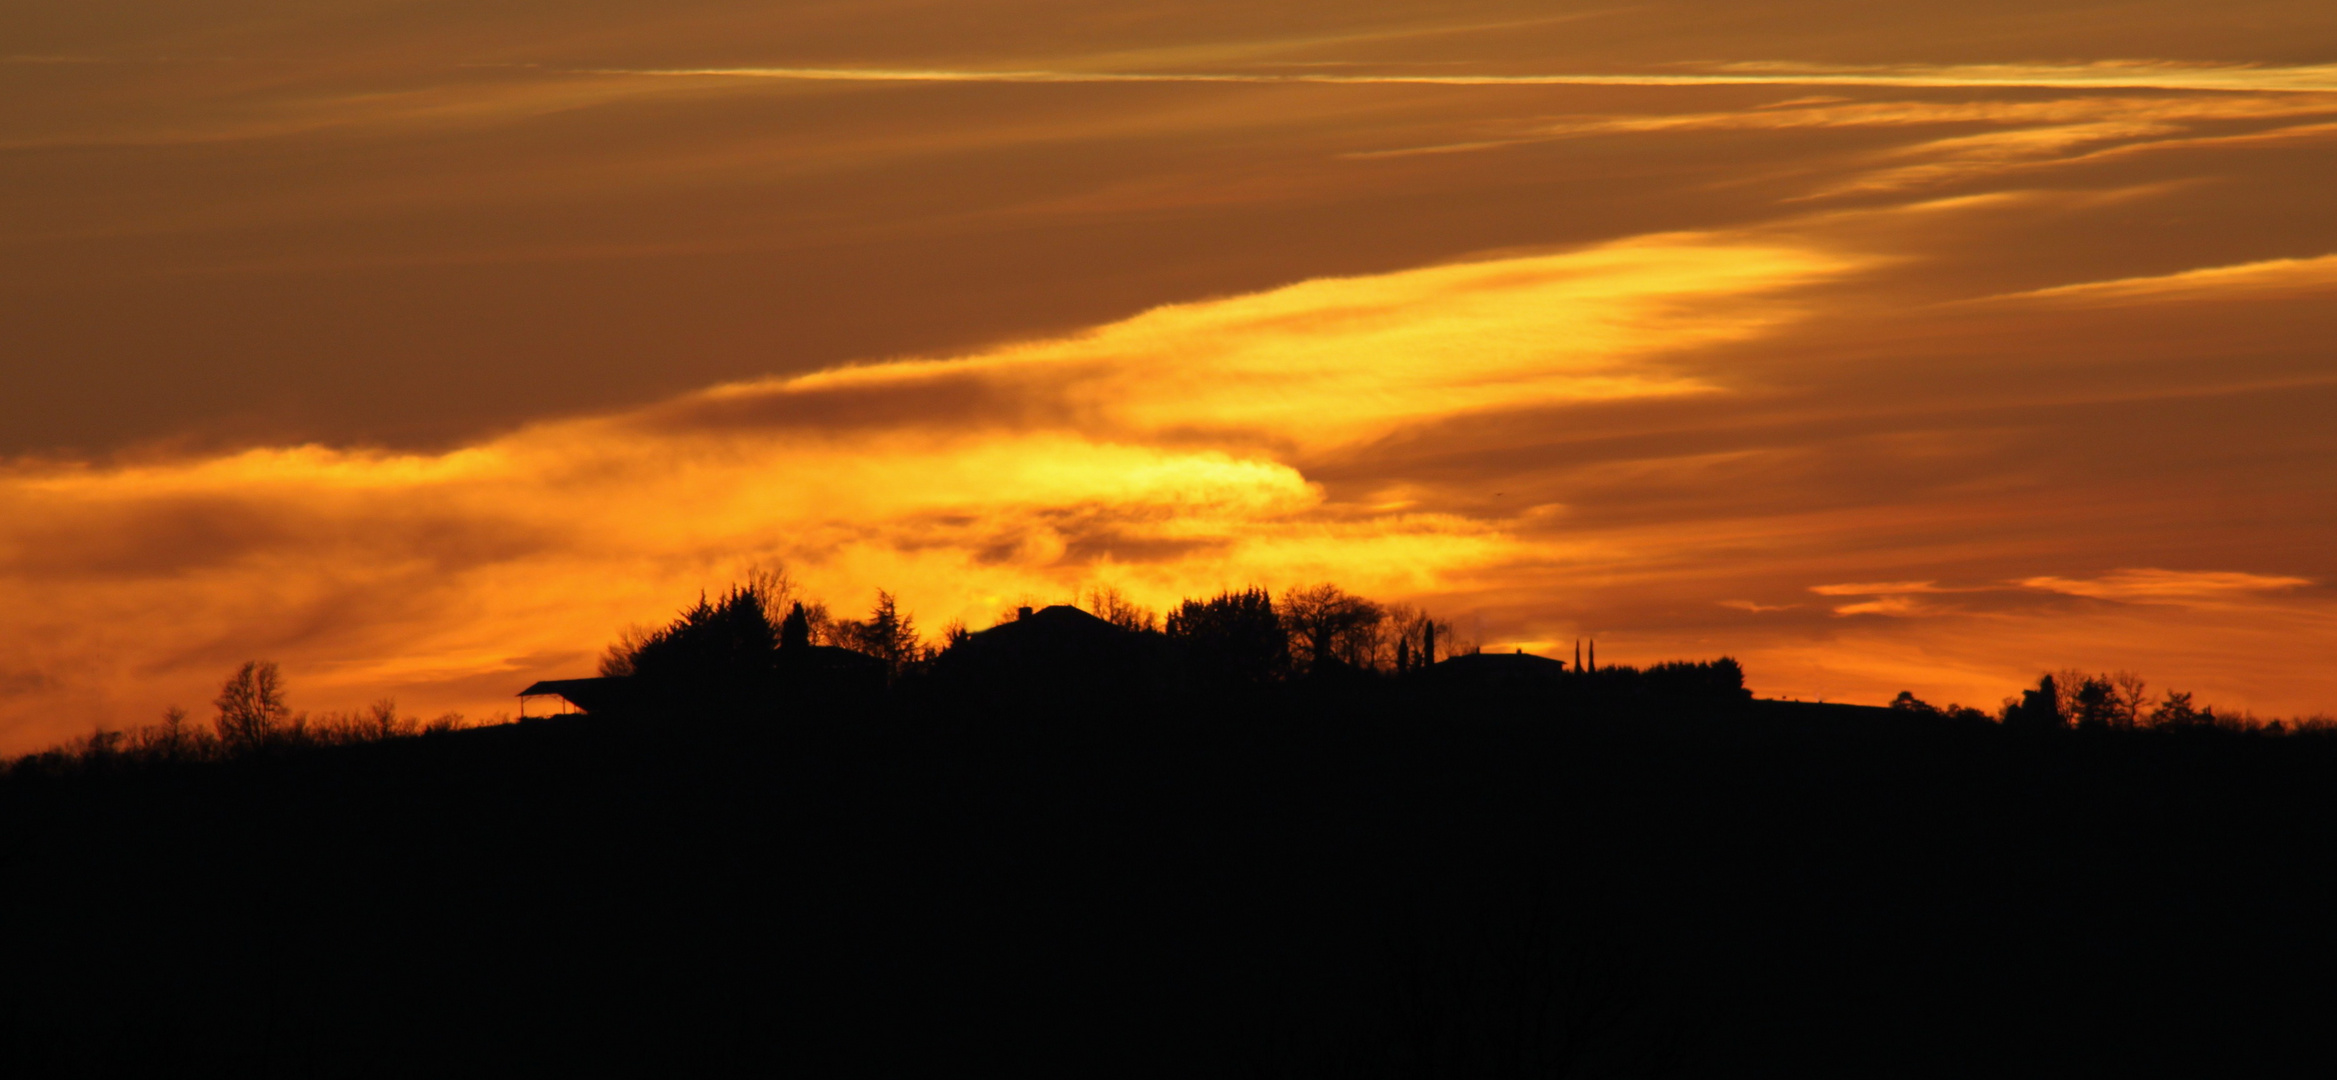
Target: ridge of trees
1238,637
251,718
1246,631
2110,701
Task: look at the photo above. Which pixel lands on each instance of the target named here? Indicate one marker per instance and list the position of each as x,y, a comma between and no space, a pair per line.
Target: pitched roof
1500,667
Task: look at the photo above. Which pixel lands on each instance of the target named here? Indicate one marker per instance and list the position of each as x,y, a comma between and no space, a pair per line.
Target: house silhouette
1058,655
1519,670
794,674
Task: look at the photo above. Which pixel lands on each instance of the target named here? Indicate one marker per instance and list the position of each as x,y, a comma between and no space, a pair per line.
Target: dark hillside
1345,881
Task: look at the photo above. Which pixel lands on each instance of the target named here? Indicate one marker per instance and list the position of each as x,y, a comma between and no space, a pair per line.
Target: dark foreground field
1338,886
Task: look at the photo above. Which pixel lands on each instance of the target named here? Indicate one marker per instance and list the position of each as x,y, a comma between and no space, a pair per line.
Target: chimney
1021,613
1594,654
1428,645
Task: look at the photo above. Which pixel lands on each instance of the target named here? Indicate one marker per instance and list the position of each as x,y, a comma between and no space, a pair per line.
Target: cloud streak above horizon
2100,75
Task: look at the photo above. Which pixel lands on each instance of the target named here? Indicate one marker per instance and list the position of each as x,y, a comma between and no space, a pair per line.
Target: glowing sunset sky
422,347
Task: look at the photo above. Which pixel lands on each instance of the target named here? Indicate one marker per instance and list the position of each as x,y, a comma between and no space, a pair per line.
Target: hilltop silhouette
1307,835
730,654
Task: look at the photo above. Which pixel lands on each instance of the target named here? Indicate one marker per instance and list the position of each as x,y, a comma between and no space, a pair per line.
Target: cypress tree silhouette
795,630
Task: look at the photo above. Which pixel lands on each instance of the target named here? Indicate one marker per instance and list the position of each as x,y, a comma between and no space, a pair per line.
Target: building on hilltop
1520,669
790,674
1058,655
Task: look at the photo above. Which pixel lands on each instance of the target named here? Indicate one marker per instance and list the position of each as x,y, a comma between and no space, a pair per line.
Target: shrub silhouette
1907,702
1722,679
1232,638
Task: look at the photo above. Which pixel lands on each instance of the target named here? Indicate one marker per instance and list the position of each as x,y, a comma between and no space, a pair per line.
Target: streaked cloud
1345,360
2169,586
1894,604
2269,277
2021,137
2105,75
1877,588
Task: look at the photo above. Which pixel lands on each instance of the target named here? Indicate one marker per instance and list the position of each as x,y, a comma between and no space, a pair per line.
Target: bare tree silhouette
1329,625
1111,605
251,706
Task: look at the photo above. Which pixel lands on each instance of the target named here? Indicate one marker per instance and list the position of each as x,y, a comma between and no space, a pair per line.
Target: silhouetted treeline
1471,875
1296,836
252,716
764,646
2118,701
727,651
1248,638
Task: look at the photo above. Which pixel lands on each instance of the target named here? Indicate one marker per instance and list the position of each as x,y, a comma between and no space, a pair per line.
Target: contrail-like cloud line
2105,76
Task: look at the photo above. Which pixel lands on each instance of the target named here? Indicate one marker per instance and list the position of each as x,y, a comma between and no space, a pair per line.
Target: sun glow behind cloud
1155,453
1337,361
1171,454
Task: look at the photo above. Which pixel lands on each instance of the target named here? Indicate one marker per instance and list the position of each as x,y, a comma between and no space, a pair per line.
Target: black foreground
1339,883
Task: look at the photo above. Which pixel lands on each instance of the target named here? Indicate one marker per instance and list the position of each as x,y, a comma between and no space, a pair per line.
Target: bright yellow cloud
1342,360
1162,453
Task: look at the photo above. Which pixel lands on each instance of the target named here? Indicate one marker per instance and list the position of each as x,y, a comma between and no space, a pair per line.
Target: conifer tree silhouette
711,643
795,630
888,634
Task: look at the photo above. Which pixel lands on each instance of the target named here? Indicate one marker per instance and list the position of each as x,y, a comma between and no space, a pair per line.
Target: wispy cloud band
2124,75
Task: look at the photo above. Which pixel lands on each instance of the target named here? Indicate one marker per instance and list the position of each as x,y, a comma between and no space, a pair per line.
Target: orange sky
421,347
